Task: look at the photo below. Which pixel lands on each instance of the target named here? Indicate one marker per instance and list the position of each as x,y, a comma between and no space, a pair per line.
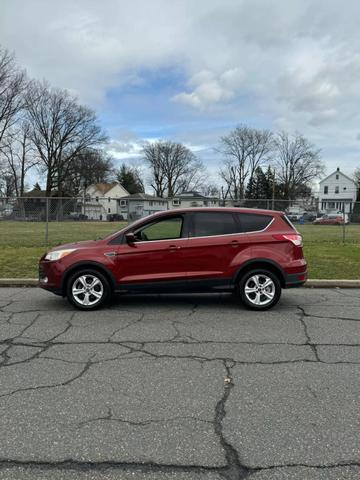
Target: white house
103,199
192,199
337,193
140,205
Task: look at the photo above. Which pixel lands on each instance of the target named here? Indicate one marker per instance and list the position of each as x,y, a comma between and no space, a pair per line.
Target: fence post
47,221
343,222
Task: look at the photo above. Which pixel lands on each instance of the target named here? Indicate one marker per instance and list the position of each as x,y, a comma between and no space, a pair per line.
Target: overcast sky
191,70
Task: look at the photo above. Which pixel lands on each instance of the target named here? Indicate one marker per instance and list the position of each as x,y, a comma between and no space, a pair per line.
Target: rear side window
210,224
252,222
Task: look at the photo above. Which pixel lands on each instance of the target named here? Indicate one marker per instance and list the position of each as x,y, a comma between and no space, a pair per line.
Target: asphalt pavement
176,387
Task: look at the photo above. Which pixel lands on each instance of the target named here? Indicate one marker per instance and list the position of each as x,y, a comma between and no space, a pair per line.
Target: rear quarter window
252,222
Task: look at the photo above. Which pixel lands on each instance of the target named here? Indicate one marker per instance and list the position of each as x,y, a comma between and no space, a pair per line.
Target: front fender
102,267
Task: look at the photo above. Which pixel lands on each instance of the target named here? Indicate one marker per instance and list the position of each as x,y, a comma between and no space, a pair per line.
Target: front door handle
173,248
234,243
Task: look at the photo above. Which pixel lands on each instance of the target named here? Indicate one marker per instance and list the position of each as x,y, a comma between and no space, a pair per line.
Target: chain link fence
39,220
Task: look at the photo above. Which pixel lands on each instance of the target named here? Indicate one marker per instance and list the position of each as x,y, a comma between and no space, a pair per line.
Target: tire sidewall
259,271
95,273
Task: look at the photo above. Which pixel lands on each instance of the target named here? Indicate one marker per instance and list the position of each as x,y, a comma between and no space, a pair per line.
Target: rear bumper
293,280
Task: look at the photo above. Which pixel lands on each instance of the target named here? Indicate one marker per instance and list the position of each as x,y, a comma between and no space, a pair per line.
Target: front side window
166,229
253,223
210,224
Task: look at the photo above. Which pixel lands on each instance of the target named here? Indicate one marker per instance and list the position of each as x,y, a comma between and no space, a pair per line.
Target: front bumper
50,276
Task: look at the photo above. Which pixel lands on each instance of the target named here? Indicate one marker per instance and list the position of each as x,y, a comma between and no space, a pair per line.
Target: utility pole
273,191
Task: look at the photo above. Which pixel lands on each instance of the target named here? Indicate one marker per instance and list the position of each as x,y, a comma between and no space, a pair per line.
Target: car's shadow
181,301
188,300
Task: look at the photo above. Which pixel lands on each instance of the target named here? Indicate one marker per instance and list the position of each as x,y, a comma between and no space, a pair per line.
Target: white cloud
209,88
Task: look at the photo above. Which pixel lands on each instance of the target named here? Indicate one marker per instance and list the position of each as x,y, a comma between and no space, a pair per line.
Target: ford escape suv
254,253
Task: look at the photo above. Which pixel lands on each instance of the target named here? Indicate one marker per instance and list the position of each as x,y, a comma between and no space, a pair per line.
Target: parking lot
180,387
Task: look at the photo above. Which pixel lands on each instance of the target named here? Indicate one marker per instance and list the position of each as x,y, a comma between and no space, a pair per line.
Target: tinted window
168,228
252,222
209,224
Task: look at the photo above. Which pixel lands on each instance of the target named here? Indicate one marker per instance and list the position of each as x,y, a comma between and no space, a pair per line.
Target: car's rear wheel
88,289
259,289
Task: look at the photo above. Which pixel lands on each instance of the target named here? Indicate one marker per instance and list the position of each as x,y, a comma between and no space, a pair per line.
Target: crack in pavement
154,467
323,317
110,418
234,469
308,339
60,384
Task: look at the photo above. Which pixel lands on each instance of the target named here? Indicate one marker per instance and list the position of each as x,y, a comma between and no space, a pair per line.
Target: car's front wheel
88,289
259,289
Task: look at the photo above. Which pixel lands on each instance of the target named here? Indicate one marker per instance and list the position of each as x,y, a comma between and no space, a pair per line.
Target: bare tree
297,163
174,168
234,182
245,149
61,130
17,155
210,189
88,167
12,86
357,176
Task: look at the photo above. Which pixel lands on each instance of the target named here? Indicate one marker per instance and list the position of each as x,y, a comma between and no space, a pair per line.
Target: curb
316,283
19,282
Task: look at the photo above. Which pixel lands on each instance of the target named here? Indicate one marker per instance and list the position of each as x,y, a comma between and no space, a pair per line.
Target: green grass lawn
327,256
23,243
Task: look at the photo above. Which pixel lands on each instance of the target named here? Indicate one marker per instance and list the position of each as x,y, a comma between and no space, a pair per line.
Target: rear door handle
173,248
234,243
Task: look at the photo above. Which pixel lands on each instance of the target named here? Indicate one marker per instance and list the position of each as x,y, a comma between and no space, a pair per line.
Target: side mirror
130,238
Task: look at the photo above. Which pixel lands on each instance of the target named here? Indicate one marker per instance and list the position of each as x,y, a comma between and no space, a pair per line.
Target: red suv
254,253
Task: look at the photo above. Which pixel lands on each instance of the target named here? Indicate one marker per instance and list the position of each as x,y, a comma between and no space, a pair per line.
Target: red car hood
83,244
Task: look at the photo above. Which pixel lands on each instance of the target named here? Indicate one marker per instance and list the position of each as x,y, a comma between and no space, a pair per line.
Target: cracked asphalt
188,387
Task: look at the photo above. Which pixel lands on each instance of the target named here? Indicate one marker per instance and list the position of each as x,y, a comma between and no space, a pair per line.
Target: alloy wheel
87,290
260,290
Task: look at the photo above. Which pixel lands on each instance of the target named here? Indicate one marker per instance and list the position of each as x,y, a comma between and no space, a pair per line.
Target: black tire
273,289
101,288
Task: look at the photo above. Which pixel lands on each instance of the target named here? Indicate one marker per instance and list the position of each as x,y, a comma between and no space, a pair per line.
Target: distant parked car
294,214
329,220
294,217
77,216
114,217
309,216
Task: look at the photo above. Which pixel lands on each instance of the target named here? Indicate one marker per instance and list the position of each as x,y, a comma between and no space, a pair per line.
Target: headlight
57,254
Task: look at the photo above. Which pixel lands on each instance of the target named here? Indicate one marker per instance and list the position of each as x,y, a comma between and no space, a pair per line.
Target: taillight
295,238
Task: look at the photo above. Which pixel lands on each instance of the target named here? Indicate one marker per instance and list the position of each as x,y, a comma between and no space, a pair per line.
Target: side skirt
178,286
